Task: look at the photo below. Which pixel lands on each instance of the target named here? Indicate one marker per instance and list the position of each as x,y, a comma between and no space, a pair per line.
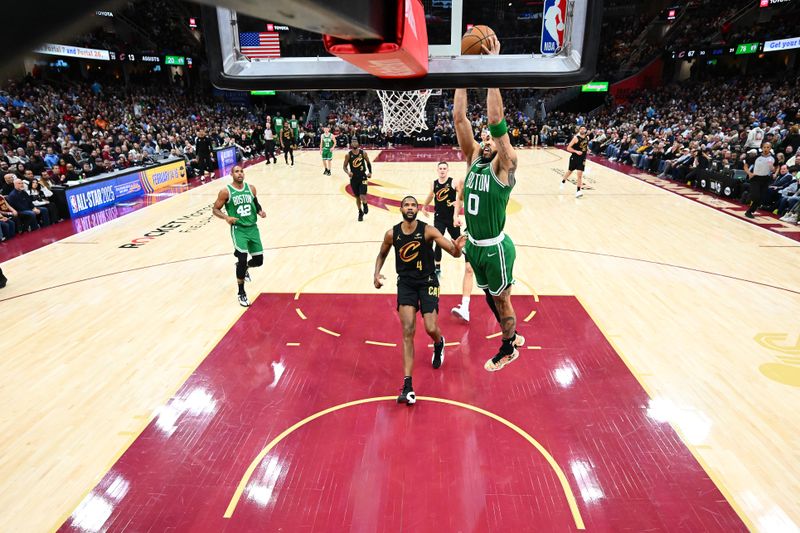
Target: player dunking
360,169
241,208
326,143
417,285
485,194
577,161
443,192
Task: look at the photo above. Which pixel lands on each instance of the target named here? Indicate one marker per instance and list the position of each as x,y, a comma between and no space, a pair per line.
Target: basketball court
657,390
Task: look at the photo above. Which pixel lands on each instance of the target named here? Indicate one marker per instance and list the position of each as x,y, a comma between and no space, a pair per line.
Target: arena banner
90,197
226,159
782,44
164,176
73,51
129,186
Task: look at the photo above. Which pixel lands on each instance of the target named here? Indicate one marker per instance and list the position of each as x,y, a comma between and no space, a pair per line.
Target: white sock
465,302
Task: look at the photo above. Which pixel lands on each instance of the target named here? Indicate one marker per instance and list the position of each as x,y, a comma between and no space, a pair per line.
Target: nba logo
553,26
270,27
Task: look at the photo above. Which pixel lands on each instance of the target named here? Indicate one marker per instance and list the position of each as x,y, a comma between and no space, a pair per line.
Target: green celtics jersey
278,124
241,205
327,142
485,200
294,124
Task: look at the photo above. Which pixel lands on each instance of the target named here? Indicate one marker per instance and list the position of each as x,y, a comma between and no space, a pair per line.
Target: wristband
499,129
258,206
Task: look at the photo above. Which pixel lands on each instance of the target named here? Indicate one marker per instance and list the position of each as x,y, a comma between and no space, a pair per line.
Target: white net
404,110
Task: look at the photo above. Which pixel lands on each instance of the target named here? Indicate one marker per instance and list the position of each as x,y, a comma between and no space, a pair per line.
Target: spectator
30,215
8,228
40,196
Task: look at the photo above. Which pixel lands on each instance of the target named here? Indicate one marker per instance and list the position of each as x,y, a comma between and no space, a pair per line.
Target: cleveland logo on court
408,252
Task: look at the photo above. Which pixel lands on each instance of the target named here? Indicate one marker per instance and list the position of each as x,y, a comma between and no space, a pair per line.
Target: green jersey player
485,194
241,207
326,143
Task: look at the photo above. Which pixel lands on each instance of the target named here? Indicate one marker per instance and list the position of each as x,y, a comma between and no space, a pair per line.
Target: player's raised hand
378,282
493,47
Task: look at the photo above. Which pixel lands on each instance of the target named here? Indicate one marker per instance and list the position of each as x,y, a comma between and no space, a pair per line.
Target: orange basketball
473,41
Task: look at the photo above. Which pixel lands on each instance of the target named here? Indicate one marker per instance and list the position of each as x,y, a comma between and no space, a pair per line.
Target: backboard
282,51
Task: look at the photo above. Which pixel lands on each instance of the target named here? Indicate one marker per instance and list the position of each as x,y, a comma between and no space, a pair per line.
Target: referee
760,177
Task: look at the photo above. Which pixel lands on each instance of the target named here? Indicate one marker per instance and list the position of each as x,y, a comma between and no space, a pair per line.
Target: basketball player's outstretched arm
222,198
505,163
386,246
506,159
451,247
463,128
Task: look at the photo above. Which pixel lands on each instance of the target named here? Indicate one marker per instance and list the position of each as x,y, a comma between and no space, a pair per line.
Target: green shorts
247,239
327,155
493,265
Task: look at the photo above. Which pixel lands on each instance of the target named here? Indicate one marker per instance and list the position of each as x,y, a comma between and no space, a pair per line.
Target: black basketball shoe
407,396
438,354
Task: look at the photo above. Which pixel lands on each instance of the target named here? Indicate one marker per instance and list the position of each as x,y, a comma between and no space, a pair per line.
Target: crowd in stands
685,132
51,135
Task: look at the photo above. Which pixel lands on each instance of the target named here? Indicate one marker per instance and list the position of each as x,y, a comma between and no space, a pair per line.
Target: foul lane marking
376,343
534,347
447,344
493,335
530,316
292,344
329,332
562,478
300,313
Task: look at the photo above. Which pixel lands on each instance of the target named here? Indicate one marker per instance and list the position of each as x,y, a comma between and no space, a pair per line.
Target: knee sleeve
492,305
256,261
241,264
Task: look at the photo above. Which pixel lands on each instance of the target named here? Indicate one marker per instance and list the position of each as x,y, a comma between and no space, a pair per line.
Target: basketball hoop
404,110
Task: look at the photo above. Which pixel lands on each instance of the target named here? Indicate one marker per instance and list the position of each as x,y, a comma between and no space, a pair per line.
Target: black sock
440,343
241,288
407,382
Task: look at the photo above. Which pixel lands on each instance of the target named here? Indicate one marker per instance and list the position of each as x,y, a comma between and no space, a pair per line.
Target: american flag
256,45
